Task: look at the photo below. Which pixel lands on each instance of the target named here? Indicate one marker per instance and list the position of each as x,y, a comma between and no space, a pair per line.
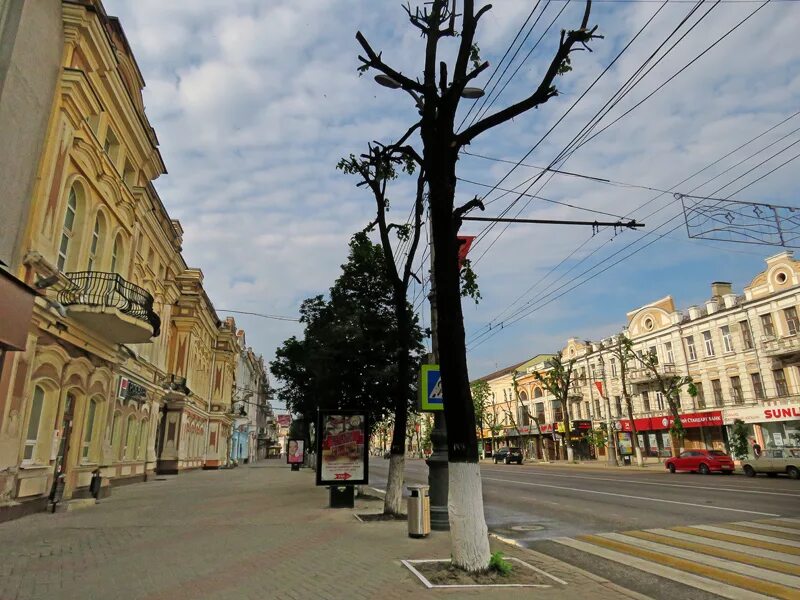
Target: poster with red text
342,453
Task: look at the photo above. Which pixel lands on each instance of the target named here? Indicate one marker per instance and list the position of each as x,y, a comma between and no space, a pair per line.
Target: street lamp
471,93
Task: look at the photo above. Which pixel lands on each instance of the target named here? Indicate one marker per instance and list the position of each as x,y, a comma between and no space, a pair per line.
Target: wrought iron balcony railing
109,290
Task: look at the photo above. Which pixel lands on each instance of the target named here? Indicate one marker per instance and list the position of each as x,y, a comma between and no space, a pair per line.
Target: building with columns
122,367
742,350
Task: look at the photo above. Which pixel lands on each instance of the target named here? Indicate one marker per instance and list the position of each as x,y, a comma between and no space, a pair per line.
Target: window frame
747,335
691,349
32,443
708,343
67,231
716,387
727,339
792,321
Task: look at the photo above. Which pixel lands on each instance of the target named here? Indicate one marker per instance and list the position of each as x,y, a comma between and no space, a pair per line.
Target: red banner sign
599,386
464,242
711,418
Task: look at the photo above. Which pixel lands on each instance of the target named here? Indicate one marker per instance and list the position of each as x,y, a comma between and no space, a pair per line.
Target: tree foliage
347,356
558,380
739,445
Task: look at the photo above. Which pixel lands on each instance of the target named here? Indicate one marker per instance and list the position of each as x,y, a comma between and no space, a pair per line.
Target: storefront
702,430
775,426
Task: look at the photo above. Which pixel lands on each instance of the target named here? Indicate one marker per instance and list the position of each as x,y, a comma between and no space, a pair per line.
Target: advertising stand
342,454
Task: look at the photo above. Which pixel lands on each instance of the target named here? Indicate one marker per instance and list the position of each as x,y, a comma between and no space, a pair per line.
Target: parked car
774,461
701,461
508,455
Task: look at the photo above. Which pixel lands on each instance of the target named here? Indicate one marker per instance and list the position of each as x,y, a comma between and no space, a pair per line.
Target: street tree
558,379
437,95
375,170
347,358
669,384
622,350
739,445
481,392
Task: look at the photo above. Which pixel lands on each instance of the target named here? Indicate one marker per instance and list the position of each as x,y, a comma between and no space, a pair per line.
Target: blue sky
254,102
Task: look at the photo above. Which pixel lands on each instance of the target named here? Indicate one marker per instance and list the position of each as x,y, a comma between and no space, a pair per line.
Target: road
546,507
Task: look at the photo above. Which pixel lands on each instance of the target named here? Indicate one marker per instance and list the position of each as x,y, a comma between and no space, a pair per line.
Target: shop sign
581,425
546,428
625,425
130,390
296,452
284,420
342,448
763,414
706,419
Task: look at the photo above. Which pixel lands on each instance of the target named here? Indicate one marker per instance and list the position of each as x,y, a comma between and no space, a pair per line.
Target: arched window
116,434
88,430
116,255
537,392
141,452
96,246
523,396
34,422
129,440
68,230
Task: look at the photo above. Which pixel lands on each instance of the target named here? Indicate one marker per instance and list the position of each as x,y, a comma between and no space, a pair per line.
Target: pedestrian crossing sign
430,388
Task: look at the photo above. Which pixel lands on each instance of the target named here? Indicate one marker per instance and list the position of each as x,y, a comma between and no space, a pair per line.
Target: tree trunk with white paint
639,457
393,502
570,453
469,537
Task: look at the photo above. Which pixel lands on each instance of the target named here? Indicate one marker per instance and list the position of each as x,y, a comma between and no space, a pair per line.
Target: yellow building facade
127,369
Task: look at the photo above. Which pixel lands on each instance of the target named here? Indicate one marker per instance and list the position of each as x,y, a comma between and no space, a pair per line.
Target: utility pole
612,442
438,472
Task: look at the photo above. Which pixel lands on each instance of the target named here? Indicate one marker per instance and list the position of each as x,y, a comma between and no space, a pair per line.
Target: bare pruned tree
437,94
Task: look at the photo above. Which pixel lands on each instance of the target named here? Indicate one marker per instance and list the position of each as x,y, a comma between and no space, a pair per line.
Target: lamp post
438,472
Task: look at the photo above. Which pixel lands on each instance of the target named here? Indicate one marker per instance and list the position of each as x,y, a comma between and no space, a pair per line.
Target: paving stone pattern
259,531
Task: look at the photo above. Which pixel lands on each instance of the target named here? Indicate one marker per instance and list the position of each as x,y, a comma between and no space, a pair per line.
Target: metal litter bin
419,511
626,460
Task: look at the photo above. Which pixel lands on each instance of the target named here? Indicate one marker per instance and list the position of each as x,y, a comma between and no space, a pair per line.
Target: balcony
786,348
107,303
642,376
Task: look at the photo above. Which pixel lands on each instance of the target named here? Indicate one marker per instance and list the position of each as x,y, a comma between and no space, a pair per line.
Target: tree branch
374,61
462,210
419,208
544,92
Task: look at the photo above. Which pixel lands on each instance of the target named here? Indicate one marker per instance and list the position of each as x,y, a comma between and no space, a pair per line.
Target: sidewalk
259,531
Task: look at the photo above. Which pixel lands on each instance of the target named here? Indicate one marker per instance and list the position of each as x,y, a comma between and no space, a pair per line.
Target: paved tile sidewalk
259,531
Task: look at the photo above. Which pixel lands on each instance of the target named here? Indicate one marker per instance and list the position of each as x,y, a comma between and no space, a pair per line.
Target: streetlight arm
374,62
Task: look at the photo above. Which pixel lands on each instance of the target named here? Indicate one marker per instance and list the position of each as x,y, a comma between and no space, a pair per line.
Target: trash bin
96,484
419,511
626,460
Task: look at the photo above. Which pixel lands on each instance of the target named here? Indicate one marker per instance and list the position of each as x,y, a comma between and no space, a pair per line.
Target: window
116,255
540,418
768,325
111,145
142,445
116,435
758,386
701,397
558,412
709,343
736,388
597,412
68,230
690,349
88,430
781,389
96,243
129,442
792,324
32,436
727,341
659,401
645,402
618,405
717,387
613,367
670,355
747,335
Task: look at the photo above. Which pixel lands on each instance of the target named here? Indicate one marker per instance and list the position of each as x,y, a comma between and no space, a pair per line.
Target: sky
255,102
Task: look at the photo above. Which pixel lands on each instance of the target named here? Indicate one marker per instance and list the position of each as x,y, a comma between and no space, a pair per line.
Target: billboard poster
295,452
624,443
342,449
284,420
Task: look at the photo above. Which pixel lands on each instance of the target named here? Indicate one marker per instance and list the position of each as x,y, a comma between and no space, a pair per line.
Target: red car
701,461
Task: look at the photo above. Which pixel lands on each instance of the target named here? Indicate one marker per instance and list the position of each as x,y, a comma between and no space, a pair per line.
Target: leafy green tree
480,395
622,349
739,445
597,437
557,380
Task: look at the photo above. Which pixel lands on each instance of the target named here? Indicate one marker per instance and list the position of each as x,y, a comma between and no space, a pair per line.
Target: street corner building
113,360
741,350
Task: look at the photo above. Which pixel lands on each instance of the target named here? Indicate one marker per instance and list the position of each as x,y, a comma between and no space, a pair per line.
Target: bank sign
763,414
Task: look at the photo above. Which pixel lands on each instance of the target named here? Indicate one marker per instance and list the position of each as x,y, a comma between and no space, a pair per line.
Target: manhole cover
527,527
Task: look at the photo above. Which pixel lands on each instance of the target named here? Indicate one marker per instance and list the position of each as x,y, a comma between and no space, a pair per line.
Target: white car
774,461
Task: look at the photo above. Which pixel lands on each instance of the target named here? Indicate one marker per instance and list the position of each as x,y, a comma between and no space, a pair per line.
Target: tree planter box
437,569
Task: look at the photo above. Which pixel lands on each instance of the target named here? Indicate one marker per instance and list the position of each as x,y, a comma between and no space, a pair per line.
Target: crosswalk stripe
729,536
768,527
722,575
783,538
731,566
753,534
660,570
781,523
733,555
760,552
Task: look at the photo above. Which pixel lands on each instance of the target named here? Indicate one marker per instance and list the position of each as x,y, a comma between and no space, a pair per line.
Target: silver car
774,461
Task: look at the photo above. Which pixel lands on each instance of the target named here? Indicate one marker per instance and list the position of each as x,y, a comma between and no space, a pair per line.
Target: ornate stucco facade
126,368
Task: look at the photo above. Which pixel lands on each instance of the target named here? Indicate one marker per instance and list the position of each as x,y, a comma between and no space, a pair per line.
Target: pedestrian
756,449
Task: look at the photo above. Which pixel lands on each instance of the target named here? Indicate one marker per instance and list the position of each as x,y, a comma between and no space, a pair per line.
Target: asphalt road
533,504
